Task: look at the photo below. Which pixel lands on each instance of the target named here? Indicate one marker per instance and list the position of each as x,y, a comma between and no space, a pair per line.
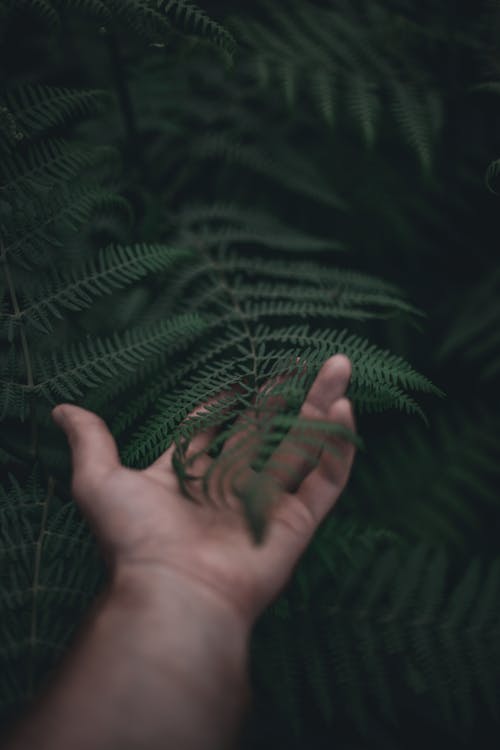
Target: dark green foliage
37,108
48,562
349,58
445,478
476,328
171,226
382,629
154,19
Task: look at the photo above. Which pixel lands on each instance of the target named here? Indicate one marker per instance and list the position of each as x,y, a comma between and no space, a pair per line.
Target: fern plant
395,627
335,57
156,20
143,276
476,329
42,215
49,563
447,477
220,289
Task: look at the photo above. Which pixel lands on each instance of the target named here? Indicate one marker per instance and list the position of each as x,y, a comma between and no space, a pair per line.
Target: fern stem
24,345
36,587
237,307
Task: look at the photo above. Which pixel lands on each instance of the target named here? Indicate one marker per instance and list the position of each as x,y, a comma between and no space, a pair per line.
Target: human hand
145,524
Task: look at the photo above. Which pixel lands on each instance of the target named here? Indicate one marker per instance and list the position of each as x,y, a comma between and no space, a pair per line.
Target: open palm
142,518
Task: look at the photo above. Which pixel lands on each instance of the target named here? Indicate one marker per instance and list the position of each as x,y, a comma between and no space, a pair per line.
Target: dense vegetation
191,198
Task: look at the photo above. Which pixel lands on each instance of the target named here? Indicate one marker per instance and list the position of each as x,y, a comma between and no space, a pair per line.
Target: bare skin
162,660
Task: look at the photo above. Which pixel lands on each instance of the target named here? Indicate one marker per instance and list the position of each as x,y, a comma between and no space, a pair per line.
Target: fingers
253,420
291,461
321,488
93,448
245,430
196,454
245,440
298,453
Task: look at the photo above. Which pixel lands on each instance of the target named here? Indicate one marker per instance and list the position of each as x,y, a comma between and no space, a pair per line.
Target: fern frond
194,20
475,332
238,293
89,364
364,106
323,87
67,373
491,175
171,379
47,165
229,307
444,480
326,39
49,567
149,18
9,131
229,224
292,171
315,54
142,17
391,630
29,232
373,370
114,268
370,361
98,9
38,108
49,11
418,120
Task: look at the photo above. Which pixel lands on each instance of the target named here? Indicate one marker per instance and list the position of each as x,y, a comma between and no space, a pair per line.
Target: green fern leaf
364,106
195,20
48,165
38,108
418,120
115,268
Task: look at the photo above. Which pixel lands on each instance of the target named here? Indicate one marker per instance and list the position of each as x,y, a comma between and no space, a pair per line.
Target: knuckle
296,516
341,410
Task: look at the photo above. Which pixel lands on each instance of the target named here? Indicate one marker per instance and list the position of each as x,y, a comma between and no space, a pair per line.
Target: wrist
162,662
199,620
153,585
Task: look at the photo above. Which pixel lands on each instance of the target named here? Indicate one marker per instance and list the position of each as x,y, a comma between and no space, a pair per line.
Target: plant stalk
24,346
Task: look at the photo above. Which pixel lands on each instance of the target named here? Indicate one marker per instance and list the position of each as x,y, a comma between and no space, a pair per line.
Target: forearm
158,665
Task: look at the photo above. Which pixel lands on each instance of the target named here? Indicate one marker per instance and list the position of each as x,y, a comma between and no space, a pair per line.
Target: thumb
93,448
